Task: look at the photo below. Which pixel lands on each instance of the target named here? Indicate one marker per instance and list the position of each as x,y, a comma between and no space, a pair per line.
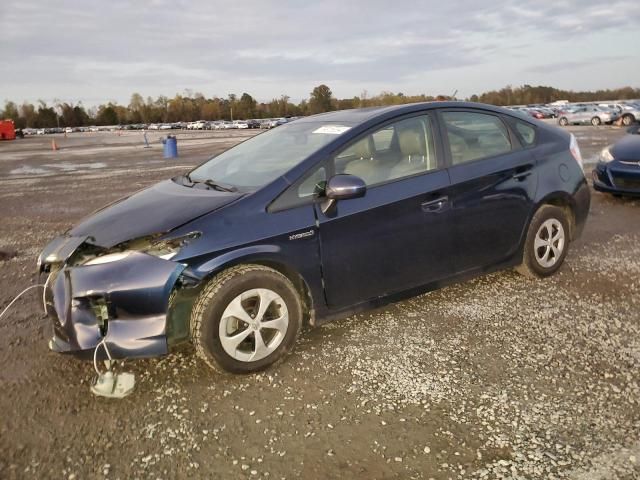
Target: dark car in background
618,168
315,220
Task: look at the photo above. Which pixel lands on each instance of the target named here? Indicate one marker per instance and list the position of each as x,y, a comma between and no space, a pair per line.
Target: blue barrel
170,147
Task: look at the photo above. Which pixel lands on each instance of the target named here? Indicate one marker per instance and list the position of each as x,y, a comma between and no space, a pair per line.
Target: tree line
191,106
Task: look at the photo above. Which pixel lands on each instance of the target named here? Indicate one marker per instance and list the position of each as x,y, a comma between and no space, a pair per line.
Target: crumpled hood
157,209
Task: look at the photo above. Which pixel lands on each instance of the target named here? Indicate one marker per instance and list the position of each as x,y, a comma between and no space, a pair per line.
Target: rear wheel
246,319
546,244
627,120
595,121
563,121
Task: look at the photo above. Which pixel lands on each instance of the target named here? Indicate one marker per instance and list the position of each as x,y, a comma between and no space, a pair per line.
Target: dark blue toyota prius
618,168
314,220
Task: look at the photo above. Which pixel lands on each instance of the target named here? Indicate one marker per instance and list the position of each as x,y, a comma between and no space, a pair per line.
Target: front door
398,235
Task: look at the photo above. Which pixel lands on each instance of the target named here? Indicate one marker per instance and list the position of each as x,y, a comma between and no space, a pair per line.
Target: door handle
522,173
434,206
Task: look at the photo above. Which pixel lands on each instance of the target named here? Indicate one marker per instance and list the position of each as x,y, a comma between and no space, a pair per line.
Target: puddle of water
52,167
27,170
72,167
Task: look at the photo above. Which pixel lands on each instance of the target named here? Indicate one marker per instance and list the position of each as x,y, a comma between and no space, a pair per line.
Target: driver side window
401,149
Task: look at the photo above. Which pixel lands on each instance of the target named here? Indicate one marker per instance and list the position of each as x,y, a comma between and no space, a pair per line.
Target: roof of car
359,115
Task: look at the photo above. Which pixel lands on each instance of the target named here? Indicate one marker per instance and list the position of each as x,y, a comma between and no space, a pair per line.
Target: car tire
546,244
595,121
229,308
627,120
563,121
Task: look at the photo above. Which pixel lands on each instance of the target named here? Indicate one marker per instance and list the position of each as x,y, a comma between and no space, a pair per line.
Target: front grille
627,183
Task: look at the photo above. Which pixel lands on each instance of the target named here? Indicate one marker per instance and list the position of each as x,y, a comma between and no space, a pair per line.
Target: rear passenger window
474,135
526,133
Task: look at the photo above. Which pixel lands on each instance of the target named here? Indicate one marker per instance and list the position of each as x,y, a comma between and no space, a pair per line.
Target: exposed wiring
95,356
17,297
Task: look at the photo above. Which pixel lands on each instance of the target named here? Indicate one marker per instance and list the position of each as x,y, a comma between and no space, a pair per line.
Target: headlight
111,257
605,155
165,249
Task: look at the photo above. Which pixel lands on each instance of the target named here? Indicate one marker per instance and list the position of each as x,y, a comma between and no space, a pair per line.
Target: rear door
398,235
493,183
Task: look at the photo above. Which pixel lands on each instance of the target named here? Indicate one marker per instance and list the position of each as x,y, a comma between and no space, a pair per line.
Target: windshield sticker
331,129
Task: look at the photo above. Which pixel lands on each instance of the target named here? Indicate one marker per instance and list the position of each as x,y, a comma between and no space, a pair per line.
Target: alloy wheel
549,243
253,325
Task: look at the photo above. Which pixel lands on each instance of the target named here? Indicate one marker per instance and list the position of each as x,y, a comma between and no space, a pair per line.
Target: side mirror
342,187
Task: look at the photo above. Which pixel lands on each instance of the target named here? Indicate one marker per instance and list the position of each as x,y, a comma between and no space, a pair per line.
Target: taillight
575,150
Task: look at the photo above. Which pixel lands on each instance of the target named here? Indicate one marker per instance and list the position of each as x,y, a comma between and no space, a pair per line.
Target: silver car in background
587,114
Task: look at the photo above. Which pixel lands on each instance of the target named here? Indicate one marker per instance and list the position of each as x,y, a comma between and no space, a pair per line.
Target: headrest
362,149
411,141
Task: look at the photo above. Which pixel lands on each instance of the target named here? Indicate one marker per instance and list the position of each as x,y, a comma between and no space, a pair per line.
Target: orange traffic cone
54,147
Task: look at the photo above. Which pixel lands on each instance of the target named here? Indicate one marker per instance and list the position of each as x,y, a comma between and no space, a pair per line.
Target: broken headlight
165,249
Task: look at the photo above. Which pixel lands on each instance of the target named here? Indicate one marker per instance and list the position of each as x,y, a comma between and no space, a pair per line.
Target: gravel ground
499,377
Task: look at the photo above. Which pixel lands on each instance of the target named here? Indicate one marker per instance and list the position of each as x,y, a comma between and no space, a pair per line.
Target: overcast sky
95,51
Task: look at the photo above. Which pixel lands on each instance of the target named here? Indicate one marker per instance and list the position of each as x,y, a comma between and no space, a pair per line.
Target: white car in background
240,124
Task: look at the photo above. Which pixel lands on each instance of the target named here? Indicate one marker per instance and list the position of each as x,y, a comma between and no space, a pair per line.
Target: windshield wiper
224,187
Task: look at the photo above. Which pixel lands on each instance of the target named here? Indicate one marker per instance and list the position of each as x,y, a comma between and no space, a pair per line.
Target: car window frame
329,165
510,120
437,145
515,142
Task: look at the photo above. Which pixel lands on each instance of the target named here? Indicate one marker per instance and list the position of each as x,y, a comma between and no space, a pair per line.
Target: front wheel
546,244
627,120
563,122
245,319
595,121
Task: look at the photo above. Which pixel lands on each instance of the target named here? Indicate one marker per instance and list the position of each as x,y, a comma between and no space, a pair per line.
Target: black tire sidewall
547,212
212,315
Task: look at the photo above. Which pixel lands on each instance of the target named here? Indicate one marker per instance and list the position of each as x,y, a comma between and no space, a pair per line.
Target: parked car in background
618,168
630,113
588,114
253,123
320,218
535,113
68,130
240,124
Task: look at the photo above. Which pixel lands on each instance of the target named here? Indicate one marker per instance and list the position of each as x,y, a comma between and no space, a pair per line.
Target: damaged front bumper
124,302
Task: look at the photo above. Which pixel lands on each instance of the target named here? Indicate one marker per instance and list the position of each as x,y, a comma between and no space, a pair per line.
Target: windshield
265,157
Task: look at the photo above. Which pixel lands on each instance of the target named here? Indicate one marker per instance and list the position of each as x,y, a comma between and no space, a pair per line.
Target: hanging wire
95,356
17,297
